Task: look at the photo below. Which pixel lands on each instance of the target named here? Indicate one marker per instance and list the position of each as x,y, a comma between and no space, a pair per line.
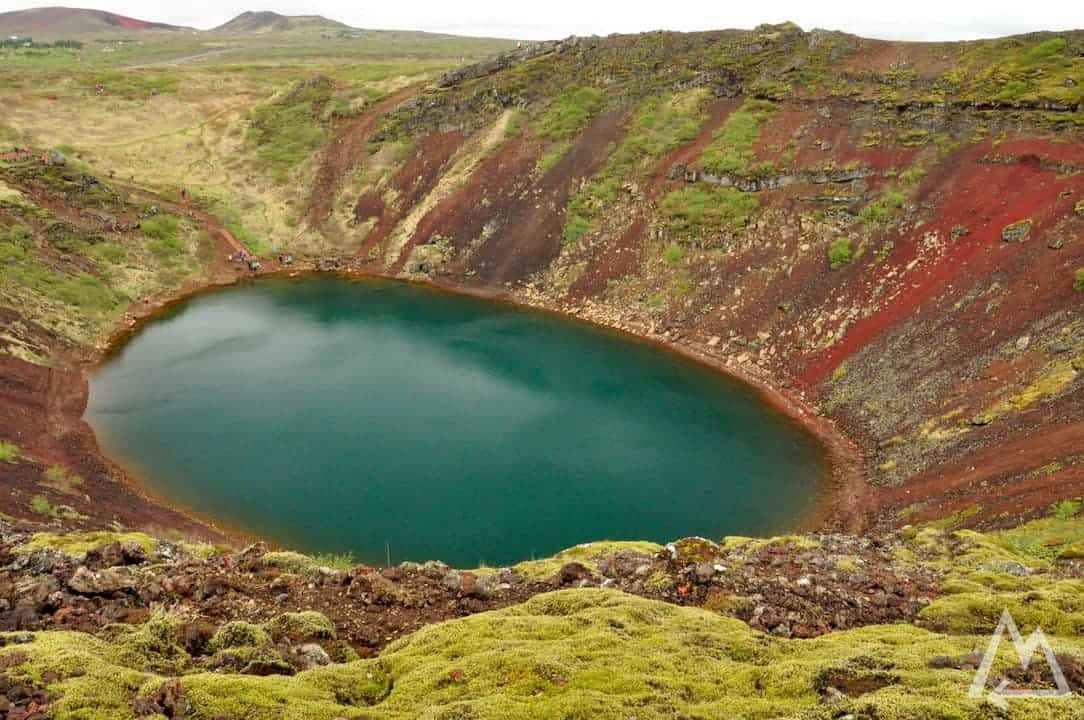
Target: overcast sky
902,19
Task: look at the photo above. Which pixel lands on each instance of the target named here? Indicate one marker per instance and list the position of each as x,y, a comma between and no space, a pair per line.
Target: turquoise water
338,416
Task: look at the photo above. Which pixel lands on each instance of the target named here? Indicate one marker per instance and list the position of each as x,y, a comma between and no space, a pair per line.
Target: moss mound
574,654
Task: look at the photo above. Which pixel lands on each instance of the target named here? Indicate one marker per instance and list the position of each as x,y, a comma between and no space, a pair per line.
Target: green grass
658,126
1067,509
286,131
569,112
58,478
164,232
699,209
883,209
40,505
1078,280
731,150
8,452
133,84
673,253
839,253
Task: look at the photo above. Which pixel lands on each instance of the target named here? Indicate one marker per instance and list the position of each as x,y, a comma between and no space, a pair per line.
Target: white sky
895,19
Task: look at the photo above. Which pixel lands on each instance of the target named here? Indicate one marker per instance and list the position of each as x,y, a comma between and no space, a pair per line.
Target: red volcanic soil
41,409
983,197
59,20
531,237
413,181
342,156
462,217
619,256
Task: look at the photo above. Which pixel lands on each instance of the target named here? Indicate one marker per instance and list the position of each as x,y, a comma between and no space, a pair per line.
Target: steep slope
69,22
890,233
266,21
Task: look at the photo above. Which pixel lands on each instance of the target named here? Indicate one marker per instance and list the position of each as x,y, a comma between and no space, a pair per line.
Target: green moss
1078,279
590,653
151,646
79,544
839,253
292,562
238,634
584,554
8,452
308,625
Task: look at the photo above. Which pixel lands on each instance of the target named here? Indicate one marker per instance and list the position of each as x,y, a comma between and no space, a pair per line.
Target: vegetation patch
883,209
569,112
731,150
839,253
660,125
1078,279
79,544
286,131
9,452
699,209
61,480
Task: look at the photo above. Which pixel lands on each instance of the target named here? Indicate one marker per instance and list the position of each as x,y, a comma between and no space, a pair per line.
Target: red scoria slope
949,345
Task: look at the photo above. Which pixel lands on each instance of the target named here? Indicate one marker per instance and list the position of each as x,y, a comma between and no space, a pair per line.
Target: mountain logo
1025,651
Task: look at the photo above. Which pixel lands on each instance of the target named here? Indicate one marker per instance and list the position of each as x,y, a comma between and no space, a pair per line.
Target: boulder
311,655
572,573
102,582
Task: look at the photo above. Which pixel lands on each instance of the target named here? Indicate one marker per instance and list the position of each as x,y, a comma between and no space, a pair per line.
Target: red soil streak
414,180
984,198
531,238
343,154
1002,477
688,154
928,60
621,256
485,198
844,149
40,411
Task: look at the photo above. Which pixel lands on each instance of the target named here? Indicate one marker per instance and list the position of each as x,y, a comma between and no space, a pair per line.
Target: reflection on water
341,416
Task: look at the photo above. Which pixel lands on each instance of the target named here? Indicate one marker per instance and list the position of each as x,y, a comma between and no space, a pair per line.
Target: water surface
338,416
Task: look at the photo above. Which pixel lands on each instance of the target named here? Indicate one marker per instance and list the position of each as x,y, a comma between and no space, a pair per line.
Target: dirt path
343,155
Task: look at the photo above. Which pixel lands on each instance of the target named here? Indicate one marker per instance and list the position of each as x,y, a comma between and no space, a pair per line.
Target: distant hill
267,22
61,21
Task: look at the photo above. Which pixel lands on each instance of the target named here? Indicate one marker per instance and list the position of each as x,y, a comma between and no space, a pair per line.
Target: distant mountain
61,21
267,22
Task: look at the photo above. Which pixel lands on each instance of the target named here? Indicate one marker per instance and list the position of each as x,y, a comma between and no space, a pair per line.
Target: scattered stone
311,655
572,573
101,582
1016,232
959,231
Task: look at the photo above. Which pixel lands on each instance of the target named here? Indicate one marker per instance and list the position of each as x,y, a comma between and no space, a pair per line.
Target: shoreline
836,500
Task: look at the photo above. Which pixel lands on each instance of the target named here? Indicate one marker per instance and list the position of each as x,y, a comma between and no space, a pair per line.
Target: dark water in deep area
335,416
